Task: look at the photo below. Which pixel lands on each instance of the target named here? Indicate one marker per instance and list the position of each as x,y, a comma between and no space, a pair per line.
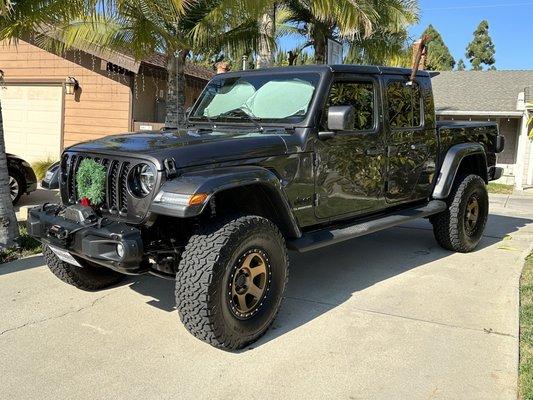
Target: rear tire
461,226
231,280
88,277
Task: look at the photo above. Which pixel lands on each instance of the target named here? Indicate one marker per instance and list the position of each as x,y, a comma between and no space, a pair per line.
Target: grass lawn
526,331
28,247
499,188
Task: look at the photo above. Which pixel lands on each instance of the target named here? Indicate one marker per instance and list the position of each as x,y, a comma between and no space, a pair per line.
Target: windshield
266,98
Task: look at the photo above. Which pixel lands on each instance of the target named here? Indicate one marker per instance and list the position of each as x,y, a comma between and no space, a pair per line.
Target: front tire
89,277
461,226
231,280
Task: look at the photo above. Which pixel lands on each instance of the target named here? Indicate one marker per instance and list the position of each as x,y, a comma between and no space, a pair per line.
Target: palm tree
8,221
354,23
18,18
172,27
381,48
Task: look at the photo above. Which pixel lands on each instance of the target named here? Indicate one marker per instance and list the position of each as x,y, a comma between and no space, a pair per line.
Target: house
500,96
51,101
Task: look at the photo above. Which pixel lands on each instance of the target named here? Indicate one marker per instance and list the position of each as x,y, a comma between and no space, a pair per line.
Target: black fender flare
174,195
452,161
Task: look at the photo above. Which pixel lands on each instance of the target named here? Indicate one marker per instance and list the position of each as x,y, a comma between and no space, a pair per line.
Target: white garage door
32,120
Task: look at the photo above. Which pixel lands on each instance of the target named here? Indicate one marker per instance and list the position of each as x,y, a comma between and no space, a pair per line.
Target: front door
350,167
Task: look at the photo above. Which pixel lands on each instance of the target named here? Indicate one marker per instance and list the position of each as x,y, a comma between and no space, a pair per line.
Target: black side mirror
500,143
340,118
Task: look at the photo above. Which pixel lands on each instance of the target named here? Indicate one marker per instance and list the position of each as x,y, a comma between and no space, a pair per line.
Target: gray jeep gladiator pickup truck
297,158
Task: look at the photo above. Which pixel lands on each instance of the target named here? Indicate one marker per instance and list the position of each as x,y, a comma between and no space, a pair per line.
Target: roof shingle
159,60
495,91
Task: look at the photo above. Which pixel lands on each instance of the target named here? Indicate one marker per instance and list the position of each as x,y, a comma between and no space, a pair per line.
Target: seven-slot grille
116,196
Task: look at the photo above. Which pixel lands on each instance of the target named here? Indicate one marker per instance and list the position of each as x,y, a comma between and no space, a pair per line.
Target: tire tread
203,262
85,278
446,224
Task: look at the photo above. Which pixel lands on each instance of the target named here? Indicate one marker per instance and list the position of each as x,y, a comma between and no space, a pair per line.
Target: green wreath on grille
90,181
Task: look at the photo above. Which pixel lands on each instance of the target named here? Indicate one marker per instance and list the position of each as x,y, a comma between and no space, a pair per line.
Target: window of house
405,110
361,96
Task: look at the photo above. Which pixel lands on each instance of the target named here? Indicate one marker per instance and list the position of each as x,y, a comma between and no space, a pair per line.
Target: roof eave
481,113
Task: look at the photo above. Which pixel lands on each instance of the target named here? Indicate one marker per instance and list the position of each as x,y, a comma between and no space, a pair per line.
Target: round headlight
147,179
142,180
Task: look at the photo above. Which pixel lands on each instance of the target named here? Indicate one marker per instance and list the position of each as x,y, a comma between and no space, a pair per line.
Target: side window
360,95
404,104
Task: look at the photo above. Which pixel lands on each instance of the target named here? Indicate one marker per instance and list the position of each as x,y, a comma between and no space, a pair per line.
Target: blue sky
510,27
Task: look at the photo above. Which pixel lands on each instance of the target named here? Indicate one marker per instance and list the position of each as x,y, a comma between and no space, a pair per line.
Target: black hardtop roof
339,68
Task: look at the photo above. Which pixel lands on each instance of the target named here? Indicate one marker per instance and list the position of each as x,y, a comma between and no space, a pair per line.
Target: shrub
40,167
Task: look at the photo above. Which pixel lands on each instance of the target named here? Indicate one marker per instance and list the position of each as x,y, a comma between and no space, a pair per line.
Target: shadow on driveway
22,264
327,277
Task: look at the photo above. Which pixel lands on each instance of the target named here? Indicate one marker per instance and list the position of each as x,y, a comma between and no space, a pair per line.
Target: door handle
419,146
325,135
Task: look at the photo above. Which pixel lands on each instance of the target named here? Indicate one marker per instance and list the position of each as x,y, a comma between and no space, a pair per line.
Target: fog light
120,250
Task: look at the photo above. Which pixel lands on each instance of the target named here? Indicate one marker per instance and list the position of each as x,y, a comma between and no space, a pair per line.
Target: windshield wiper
239,112
213,125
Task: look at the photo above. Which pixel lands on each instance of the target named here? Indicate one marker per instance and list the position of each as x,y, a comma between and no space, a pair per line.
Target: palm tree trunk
175,106
320,48
267,31
319,36
9,230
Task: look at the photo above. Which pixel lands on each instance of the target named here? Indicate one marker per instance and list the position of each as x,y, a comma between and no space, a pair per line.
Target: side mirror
500,143
340,118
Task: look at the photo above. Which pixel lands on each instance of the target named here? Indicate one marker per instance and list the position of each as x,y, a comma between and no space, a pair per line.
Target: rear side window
405,105
360,95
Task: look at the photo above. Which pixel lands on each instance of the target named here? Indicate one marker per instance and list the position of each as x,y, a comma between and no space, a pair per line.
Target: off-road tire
204,276
449,227
88,277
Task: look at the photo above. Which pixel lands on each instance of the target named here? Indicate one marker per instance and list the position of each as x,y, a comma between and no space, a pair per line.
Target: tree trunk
319,36
267,31
320,49
292,56
176,114
9,230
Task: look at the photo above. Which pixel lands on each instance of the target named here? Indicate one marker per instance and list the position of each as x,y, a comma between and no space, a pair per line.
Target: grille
116,194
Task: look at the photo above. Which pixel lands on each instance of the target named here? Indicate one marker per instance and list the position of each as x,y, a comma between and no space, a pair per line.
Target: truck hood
191,147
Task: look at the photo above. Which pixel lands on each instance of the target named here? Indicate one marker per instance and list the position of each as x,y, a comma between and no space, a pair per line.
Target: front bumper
96,242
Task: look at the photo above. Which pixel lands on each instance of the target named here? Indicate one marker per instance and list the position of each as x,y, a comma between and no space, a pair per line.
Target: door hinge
315,199
315,161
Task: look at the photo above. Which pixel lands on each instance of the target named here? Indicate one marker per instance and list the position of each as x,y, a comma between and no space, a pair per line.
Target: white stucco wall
522,155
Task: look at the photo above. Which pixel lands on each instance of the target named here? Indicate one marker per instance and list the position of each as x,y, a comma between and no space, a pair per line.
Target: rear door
408,147
351,165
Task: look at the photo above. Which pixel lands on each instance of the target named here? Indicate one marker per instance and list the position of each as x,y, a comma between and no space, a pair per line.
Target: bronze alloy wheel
249,283
472,215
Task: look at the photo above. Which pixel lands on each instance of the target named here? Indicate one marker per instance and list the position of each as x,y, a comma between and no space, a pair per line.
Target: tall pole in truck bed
419,56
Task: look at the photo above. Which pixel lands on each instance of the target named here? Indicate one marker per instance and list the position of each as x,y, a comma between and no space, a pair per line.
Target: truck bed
454,132
466,124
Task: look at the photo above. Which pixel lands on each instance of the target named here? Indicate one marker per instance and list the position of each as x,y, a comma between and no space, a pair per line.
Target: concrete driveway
387,316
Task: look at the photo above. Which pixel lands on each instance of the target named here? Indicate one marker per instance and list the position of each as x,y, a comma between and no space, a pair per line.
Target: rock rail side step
316,239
